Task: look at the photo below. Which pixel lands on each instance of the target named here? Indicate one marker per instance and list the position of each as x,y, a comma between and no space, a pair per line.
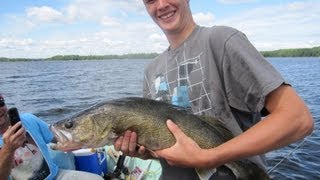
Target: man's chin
2,119
2,115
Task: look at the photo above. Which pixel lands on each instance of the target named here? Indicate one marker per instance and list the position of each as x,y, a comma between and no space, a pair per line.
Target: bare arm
6,159
289,120
11,141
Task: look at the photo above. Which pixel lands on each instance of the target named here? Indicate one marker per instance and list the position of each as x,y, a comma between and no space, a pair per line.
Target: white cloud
131,37
205,19
131,6
110,21
10,47
79,10
123,26
292,25
85,10
157,37
235,1
97,10
43,14
297,6
7,42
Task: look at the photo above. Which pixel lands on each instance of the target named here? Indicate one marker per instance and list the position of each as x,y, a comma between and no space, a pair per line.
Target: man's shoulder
218,35
220,31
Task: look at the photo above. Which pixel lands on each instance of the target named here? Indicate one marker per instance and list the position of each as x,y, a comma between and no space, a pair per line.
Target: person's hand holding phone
15,136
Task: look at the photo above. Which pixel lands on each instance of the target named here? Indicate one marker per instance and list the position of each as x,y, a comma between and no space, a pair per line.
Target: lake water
56,89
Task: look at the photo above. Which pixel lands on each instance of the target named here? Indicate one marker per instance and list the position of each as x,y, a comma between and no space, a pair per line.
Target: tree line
301,52
104,57
88,57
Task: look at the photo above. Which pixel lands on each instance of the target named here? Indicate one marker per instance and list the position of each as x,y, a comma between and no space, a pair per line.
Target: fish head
81,131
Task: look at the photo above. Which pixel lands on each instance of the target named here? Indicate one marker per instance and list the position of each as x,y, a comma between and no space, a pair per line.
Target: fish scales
102,123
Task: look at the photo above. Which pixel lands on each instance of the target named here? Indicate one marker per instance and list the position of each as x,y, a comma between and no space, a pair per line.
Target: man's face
172,16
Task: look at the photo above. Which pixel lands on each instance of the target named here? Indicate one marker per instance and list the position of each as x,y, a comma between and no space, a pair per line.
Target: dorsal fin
155,103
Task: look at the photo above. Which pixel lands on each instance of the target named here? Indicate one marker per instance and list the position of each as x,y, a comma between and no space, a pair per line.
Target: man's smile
166,15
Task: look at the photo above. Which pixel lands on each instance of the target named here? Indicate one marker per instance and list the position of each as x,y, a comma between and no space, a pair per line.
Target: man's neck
177,38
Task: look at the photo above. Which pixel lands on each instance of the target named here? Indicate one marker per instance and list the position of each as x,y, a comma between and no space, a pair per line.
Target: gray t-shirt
215,72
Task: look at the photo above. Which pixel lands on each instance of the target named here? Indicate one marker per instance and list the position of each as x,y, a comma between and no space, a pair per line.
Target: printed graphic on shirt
29,164
162,89
182,84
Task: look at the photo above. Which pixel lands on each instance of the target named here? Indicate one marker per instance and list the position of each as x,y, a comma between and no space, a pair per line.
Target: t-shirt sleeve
248,76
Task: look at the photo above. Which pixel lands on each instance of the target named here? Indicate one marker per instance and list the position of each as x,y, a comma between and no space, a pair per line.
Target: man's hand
14,137
127,144
185,153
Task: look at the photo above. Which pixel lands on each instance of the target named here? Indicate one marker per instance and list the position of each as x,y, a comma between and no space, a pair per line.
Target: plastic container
89,160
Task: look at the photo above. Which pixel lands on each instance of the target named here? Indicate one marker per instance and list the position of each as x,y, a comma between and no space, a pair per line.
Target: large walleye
101,124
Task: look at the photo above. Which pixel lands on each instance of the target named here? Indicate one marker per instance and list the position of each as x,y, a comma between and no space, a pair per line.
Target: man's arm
11,141
289,120
6,161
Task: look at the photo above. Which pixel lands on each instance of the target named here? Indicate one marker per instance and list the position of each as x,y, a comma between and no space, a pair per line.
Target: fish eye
68,125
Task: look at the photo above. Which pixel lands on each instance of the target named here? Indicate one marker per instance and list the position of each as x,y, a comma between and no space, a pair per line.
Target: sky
45,28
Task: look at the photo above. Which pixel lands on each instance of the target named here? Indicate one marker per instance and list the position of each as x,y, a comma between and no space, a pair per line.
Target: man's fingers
154,154
14,128
125,142
141,150
118,143
133,144
174,129
15,136
20,140
17,125
20,132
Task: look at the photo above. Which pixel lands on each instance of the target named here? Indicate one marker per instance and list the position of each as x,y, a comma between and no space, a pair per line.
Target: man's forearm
6,160
288,122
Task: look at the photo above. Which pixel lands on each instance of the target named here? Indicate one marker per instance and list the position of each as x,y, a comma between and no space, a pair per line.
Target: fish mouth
63,140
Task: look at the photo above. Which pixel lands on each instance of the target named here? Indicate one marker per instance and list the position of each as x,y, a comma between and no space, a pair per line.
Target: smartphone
13,115
14,118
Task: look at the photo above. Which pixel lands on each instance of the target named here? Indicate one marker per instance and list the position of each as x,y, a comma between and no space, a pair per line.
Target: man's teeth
167,15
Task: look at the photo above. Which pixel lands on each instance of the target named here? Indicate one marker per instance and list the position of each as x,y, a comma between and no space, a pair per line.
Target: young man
217,72
24,153
13,138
